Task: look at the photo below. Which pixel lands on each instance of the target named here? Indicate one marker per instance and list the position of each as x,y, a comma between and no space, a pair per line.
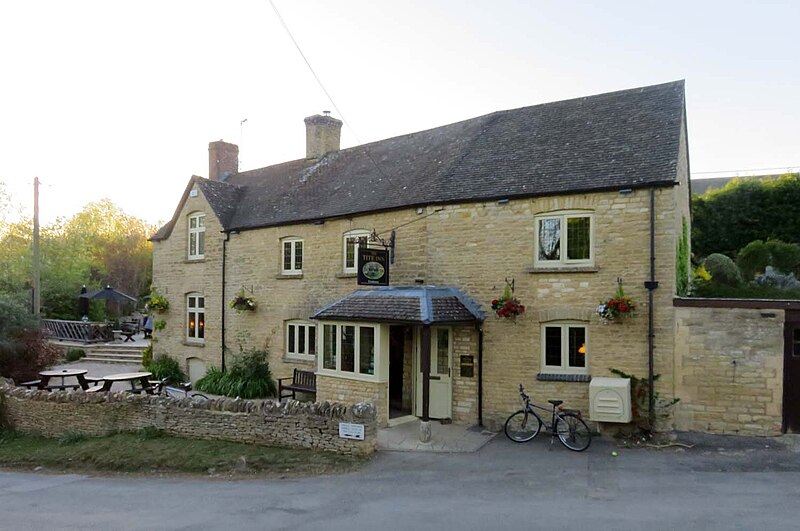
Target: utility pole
37,294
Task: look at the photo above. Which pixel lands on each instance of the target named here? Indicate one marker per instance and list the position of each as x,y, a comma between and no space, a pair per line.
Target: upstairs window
350,254
195,317
564,239
197,236
292,256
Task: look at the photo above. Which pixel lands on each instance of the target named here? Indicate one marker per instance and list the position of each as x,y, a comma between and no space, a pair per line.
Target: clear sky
119,99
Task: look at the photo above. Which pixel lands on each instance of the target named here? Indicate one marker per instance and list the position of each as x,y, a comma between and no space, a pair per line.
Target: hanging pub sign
373,267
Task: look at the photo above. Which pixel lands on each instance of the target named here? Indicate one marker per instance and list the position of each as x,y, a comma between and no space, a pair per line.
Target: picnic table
46,376
140,382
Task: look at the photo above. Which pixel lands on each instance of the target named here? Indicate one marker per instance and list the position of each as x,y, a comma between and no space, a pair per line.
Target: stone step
111,360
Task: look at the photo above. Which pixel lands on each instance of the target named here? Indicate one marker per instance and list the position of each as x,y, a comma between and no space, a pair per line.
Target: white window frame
292,329
563,261
198,234
564,367
356,233
338,372
193,335
293,270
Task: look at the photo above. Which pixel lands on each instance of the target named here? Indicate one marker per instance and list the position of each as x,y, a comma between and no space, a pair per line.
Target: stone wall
729,370
290,424
335,389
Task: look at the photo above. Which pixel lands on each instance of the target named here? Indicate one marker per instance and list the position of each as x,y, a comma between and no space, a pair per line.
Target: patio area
446,438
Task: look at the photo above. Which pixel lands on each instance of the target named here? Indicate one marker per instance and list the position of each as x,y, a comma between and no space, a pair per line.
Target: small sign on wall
348,430
373,267
467,367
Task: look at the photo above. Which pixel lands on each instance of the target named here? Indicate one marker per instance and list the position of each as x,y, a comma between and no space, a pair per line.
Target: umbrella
110,294
83,303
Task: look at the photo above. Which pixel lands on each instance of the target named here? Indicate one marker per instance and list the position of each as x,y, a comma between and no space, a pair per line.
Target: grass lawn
149,451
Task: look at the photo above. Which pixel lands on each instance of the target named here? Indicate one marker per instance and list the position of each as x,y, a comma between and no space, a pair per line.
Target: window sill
188,343
194,260
372,378
346,275
283,276
310,361
562,269
550,377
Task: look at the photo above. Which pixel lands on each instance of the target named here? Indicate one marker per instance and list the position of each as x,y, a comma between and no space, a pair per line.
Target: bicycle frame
530,407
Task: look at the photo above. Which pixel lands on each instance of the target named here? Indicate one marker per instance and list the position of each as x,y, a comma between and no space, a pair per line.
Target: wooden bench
302,381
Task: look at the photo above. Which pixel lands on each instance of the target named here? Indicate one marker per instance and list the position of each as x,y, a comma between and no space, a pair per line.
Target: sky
119,99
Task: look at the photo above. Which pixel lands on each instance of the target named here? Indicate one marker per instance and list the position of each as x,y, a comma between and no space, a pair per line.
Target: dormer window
197,236
350,253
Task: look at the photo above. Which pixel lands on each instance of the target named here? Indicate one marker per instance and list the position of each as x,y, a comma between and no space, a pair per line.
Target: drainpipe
222,313
651,286
480,376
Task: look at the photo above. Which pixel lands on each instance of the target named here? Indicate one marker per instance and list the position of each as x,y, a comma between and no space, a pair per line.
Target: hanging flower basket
243,302
617,307
158,302
507,306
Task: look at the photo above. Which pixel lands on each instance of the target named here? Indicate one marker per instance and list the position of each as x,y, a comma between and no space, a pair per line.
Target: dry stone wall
290,424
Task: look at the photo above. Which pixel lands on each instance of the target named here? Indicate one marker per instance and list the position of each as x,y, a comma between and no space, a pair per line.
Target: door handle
435,377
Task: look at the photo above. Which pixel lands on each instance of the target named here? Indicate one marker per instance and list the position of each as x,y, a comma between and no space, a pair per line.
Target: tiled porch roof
416,304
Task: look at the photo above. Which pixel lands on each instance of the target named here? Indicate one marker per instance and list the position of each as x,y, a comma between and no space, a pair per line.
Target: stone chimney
323,133
223,160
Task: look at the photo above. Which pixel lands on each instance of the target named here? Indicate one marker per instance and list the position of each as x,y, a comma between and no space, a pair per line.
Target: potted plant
158,302
507,306
617,307
243,302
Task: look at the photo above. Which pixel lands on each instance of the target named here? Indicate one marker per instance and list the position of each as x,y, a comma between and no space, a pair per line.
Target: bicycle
183,391
525,424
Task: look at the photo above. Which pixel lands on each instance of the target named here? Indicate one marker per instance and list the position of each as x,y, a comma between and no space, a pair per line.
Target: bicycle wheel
573,432
522,426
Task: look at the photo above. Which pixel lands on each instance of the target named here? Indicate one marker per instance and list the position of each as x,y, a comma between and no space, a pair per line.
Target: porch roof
415,304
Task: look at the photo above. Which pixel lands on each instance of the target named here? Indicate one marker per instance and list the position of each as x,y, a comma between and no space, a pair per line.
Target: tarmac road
721,483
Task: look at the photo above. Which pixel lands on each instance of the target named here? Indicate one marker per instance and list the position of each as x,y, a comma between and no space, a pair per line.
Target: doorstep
445,438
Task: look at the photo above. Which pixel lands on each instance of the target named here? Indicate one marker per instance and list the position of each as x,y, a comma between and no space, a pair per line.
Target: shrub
74,354
640,402
147,356
248,377
723,270
164,366
22,357
754,257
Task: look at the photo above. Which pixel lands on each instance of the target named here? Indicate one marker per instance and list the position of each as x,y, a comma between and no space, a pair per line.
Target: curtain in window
550,239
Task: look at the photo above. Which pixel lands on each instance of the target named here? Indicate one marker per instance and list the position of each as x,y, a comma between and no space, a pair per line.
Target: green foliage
723,270
158,302
71,438
161,324
14,318
147,356
23,356
746,291
149,433
74,354
724,221
682,258
164,366
754,258
248,377
640,401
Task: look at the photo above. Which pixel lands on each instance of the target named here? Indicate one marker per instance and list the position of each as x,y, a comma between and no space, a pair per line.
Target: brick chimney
323,133
223,160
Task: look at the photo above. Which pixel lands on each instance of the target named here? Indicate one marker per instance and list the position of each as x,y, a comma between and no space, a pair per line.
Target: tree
726,220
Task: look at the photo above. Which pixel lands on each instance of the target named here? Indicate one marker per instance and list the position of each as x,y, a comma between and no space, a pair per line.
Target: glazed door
441,367
791,373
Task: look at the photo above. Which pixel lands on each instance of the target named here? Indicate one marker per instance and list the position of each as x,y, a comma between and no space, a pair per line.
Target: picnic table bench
140,382
46,376
302,381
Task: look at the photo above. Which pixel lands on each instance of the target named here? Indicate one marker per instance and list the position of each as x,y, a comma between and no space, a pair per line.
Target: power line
328,95
751,169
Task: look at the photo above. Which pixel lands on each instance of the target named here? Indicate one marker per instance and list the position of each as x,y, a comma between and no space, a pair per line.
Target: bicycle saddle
556,402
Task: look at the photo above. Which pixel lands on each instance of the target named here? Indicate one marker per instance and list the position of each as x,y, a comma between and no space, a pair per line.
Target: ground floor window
195,317
349,348
564,348
301,340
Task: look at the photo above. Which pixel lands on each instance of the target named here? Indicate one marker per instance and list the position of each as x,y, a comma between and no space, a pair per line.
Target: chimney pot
323,135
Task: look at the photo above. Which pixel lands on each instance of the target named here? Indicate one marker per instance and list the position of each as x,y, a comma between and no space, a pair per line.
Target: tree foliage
726,220
754,258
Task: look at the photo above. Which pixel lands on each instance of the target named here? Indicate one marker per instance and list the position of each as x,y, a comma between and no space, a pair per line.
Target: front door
441,363
791,372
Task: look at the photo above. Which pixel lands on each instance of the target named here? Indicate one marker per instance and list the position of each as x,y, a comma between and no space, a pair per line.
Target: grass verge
149,451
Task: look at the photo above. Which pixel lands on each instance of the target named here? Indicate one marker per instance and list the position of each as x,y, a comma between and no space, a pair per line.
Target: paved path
720,484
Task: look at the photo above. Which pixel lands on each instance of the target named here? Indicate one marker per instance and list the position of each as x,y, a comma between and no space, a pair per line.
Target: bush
22,357
754,257
147,356
74,354
165,367
723,270
248,377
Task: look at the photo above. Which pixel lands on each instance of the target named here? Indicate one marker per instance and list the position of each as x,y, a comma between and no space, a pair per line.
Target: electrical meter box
610,400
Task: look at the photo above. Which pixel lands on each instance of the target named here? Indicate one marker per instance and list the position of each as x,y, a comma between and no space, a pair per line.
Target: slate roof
625,139
417,304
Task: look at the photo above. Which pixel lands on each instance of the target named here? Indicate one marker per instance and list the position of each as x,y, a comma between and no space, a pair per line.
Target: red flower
623,307
494,302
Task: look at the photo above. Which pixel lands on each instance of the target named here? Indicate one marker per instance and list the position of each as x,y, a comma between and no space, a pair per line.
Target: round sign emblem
373,270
